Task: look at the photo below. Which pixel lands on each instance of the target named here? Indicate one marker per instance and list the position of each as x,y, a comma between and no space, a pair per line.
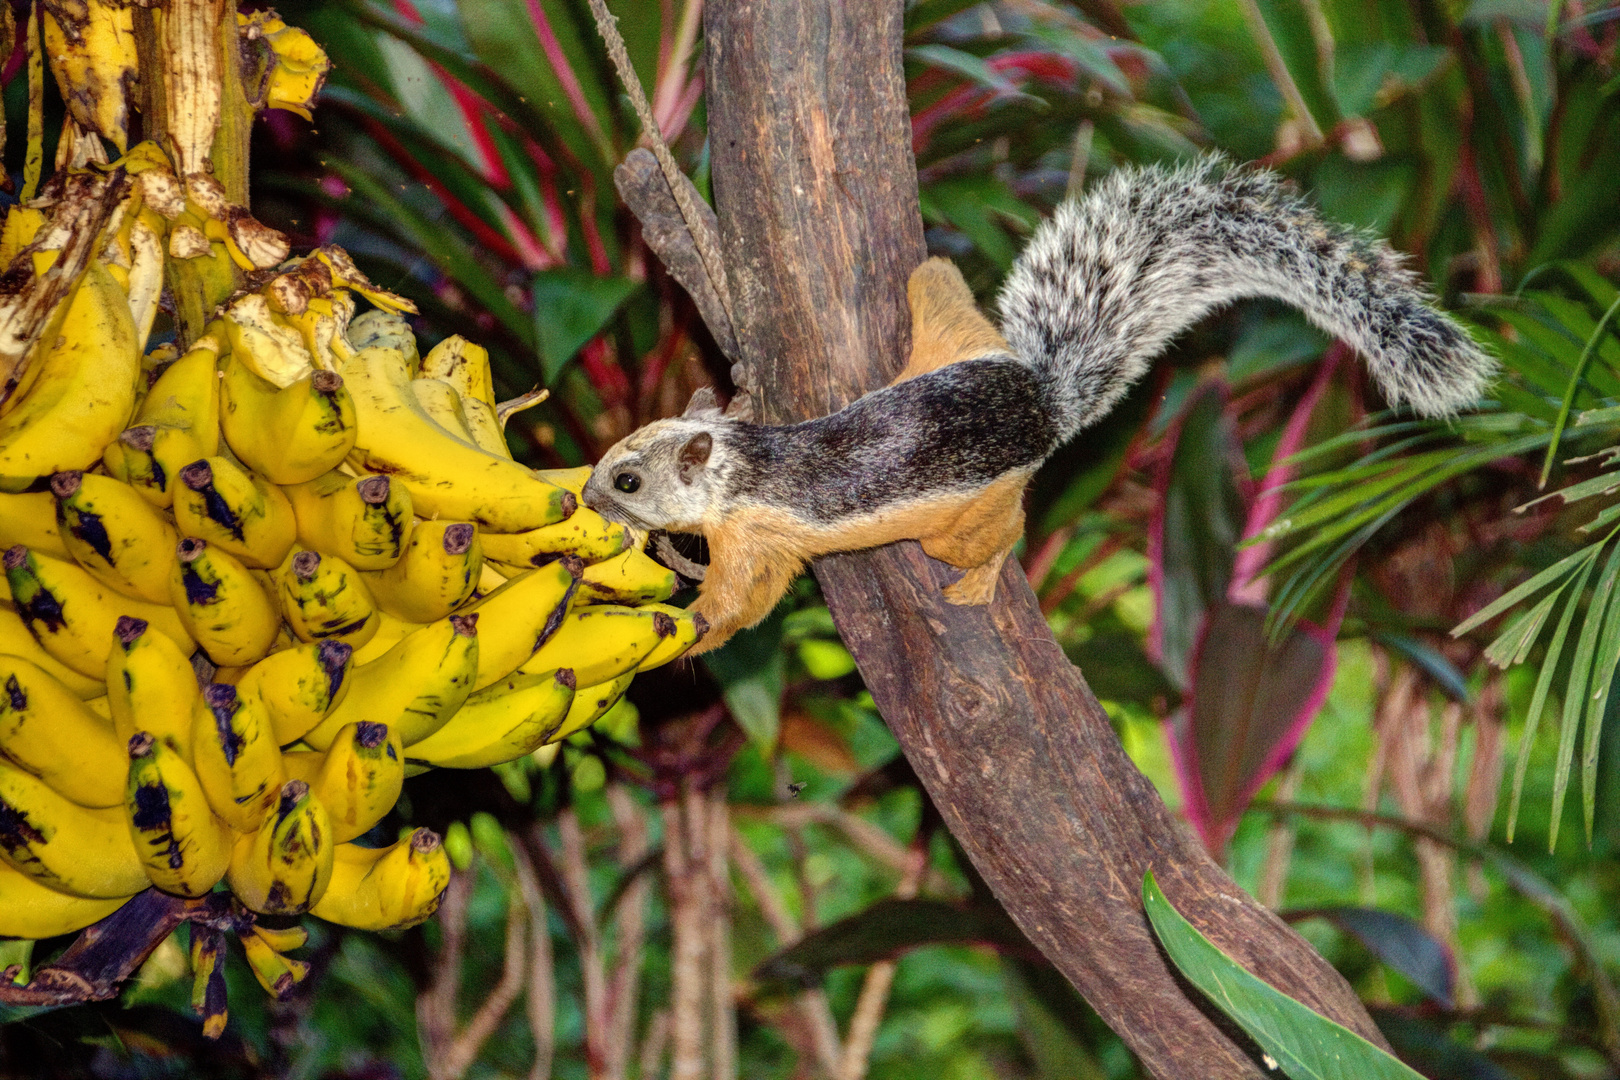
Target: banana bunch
329,523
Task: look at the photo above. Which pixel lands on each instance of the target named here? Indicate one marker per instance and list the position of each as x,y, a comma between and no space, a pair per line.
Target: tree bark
816,192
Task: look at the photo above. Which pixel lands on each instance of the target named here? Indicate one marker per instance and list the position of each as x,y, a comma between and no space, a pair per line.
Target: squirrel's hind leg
979,538
946,323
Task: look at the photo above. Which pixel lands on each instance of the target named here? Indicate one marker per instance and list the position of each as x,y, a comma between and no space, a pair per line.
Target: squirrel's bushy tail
1111,278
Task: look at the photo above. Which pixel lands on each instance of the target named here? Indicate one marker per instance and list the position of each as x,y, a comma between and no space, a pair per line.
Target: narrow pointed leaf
1399,941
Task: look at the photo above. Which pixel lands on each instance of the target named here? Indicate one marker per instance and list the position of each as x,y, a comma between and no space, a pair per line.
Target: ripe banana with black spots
501,722
362,521
234,749
521,615
33,910
324,597
29,518
584,534
446,477
182,844
300,686
386,888
80,390
689,630
223,606
110,530
47,731
590,704
59,843
414,688
72,615
208,979
289,435
628,578
284,866
177,423
151,686
357,779
236,511
16,640
602,642
438,572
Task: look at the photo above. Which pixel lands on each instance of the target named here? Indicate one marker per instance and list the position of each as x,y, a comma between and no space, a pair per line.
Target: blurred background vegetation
736,873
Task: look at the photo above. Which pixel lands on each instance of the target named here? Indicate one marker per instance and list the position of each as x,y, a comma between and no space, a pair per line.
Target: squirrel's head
668,475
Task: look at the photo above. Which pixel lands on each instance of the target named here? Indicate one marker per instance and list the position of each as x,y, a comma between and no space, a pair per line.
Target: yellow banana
47,731
363,522
234,748
16,640
235,510
324,597
222,604
584,533
386,888
414,688
590,704
357,779
32,910
441,566
91,47
446,477
439,400
82,388
568,479
499,723
208,979
119,537
689,630
389,632
265,341
177,423
284,866
278,974
628,578
602,642
59,843
183,846
22,224
29,518
300,686
151,686
283,939
465,367
289,435
520,615
73,615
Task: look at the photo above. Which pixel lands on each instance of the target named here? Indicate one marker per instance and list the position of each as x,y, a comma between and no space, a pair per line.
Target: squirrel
942,454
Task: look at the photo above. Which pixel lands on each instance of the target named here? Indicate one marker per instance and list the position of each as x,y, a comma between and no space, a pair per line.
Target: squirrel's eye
628,483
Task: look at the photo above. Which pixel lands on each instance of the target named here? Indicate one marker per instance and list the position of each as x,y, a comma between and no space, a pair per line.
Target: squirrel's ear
694,455
704,405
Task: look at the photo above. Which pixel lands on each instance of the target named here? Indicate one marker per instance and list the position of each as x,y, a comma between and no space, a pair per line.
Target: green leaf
1580,676
1513,644
1538,699
1608,654
1303,1043
571,306
1567,565
752,672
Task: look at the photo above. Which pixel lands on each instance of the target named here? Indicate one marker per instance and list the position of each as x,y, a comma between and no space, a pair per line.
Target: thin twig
576,876
1280,74
542,989
708,251
436,1006
463,1051
629,915
686,963
723,1011
874,998
652,1047
812,1004
872,839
